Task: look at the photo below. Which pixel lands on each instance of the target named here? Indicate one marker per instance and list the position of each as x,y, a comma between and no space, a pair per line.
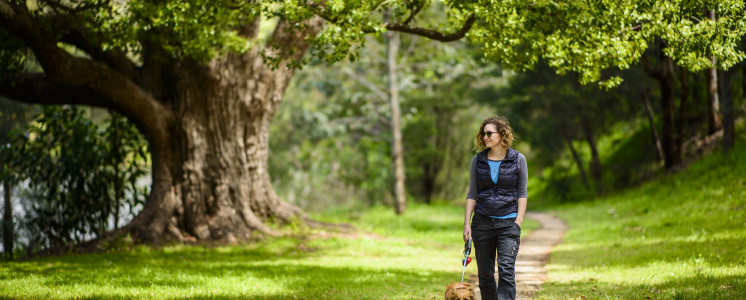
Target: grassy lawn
680,237
410,257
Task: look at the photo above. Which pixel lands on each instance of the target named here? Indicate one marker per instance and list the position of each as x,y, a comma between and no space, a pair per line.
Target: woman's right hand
467,232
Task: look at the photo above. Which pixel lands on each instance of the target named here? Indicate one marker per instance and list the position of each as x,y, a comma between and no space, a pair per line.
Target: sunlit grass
680,237
409,257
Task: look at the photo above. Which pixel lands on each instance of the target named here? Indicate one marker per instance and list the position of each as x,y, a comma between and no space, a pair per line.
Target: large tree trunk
210,176
726,102
392,50
210,171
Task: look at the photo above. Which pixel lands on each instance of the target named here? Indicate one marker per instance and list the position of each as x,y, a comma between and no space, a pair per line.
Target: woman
497,197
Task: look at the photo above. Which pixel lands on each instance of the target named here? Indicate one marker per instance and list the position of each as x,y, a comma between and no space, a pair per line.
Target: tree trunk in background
713,103
668,105
392,51
7,217
578,163
666,77
726,103
682,112
595,163
651,121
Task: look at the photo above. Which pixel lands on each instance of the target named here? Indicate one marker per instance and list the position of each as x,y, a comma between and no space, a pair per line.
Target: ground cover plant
413,256
679,237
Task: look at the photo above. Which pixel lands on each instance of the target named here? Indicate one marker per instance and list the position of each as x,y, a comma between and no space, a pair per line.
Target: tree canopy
587,37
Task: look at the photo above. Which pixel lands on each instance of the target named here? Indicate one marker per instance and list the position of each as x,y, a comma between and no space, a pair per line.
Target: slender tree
392,53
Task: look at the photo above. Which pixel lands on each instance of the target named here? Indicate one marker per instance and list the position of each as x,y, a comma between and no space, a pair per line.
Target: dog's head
460,291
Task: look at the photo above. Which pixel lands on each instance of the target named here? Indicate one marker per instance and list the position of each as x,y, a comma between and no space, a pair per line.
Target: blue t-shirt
495,174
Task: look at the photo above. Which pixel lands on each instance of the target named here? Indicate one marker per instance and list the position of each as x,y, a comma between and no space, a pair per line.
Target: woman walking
497,197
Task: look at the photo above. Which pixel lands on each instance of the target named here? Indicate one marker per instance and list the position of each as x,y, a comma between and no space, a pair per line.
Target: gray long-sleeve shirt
522,178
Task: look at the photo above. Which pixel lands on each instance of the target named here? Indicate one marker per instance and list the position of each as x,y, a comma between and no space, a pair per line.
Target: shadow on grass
277,271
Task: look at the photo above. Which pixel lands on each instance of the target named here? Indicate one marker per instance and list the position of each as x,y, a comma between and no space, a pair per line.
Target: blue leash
467,251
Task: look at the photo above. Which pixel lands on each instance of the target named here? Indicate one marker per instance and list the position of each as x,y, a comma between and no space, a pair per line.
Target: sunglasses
489,133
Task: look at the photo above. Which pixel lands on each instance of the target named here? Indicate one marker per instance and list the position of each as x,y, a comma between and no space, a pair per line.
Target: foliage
583,37
394,257
588,37
80,176
678,237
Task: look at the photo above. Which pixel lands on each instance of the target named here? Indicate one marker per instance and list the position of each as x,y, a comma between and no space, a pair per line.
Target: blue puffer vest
497,199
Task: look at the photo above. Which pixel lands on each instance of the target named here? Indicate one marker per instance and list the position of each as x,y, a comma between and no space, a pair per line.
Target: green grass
680,237
409,257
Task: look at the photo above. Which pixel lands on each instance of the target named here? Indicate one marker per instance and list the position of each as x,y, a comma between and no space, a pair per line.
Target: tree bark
211,177
726,103
8,235
392,50
578,163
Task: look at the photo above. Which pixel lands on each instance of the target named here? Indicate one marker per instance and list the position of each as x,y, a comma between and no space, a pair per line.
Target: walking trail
533,255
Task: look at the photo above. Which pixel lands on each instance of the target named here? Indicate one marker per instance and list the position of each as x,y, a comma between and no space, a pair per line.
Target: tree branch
433,34
321,11
61,68
38,89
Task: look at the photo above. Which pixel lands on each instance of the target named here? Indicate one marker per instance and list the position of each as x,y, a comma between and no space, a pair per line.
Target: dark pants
501,237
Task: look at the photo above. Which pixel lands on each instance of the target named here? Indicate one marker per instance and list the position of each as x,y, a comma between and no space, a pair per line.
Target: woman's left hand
519,222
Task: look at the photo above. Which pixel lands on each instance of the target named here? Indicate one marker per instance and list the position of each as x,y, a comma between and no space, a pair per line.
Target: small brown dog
460,291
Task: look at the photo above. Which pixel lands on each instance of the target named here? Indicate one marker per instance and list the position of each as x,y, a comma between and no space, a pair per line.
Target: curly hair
503,128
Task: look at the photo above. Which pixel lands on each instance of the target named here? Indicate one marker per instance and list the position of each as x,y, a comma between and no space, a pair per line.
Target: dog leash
467,259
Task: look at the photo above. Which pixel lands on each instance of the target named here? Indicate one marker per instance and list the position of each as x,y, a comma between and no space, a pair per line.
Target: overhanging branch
38,89
64,70
433,34
322,11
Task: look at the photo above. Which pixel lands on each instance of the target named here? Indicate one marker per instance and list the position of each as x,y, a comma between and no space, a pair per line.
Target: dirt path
534,254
